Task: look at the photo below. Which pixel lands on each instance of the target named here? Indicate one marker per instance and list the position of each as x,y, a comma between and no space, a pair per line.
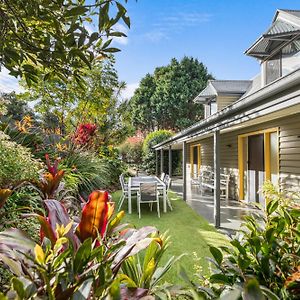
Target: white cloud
9,83
129,91
175,22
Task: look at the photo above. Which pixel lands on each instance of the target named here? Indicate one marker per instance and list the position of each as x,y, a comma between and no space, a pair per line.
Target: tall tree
71,105
53,38
164,100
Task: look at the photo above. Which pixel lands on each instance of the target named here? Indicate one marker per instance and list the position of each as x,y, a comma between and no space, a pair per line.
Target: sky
217,32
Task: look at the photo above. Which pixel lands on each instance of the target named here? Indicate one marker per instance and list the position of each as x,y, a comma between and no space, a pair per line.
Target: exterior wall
223,101
289,153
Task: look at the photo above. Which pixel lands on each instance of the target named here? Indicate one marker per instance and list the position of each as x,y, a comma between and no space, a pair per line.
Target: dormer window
273,68
213,107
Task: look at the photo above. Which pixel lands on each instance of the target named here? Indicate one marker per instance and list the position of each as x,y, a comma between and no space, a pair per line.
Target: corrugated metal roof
293,12
281,27
231,86
218,87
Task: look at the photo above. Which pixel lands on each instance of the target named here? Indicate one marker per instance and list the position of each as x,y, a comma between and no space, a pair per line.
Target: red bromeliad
95,215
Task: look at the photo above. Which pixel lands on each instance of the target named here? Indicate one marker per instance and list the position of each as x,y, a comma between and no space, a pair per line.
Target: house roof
241,108
223,87
284,28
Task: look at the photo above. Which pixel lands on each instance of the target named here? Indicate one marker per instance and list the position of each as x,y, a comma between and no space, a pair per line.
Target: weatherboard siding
224,101
289,153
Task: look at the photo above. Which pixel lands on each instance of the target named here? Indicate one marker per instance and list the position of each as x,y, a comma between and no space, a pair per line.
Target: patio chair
168,185
148,194
162,176
124,191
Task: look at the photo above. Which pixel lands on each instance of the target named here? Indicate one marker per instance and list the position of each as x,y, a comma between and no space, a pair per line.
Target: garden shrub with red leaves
84,134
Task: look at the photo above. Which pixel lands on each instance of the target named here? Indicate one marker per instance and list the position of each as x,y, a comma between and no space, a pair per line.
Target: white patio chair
168,185
162,176
148,194
124,191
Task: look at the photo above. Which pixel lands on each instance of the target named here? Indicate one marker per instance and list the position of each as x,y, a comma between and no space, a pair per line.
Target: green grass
190,233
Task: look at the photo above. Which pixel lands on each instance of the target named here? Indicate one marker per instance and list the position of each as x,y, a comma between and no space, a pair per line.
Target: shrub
265,255
153,138
16,163
131,151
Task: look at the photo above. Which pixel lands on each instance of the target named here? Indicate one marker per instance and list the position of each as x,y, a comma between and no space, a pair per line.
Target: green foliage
263,258
66,268
16,163
153,138
145,271
85,171
164,100
52,37
131,152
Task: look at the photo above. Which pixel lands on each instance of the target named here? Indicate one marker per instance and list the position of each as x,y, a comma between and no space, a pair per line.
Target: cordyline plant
263,261
73,261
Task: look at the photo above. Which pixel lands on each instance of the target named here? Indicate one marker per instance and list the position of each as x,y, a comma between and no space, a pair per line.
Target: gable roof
223,87
284,28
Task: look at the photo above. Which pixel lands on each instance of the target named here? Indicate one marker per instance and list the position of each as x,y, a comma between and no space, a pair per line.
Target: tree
164,100
52,38
70,105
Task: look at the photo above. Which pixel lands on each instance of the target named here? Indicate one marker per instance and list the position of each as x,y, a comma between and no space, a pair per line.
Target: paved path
232,211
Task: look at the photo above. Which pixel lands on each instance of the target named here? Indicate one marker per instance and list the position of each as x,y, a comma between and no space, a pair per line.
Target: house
251,128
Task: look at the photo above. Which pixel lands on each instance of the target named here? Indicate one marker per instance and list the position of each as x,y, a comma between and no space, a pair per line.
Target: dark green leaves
217,254
76,11
47,31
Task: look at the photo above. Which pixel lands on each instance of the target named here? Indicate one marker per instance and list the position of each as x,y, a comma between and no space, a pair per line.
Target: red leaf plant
51,180
84,134
95,215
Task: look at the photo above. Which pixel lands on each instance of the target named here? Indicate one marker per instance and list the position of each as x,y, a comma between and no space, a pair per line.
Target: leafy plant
153,138
16,163
62,267
264,257
85,171
144,272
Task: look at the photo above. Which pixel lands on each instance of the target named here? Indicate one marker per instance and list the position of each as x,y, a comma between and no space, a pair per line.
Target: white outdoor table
134,186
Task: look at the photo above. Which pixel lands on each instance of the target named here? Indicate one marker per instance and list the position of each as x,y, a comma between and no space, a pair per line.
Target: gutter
240,105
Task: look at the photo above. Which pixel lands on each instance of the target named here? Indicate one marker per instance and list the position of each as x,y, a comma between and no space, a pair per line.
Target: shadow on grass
189,232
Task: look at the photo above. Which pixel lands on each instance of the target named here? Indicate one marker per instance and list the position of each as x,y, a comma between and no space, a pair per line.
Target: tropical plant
263,260
153,138
143,271
85,171
72,263
84,134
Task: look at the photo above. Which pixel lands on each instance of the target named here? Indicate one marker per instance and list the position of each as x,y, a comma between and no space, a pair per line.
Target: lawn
190,233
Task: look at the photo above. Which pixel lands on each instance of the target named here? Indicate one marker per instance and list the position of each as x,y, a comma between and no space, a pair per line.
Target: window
273,68
213,108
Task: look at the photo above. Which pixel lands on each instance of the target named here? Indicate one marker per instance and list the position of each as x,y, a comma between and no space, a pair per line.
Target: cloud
9,83
129,91
166,24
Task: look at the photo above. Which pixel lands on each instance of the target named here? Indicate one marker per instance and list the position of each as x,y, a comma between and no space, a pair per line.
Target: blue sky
217,32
